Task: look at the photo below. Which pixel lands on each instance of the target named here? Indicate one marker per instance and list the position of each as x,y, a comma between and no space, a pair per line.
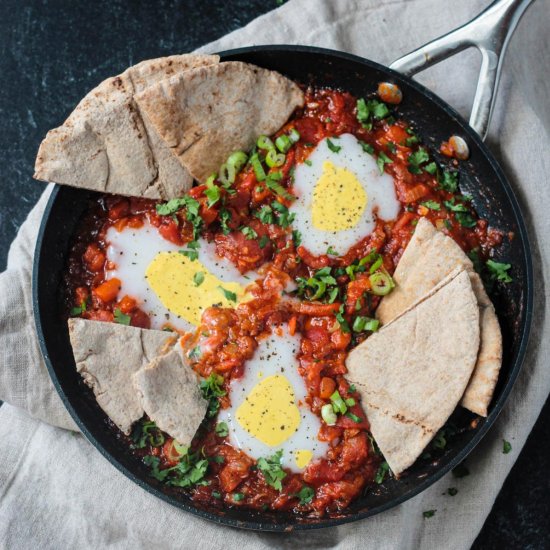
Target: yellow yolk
269,412
339,200
176,280
302,458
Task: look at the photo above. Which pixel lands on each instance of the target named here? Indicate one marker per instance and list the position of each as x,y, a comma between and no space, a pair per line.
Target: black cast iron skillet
480,176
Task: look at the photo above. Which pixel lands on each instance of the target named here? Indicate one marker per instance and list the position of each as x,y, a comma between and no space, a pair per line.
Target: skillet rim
497,406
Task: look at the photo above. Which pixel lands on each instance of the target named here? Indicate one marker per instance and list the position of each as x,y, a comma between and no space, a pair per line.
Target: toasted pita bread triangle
205,114
106,145
107,355
413,372
169,393
429,257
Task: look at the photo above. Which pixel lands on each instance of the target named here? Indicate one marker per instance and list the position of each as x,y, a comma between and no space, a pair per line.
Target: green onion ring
283,143
257,167
294,135
274,159
265,143
381,283
211,179
328,414
227,174
237,159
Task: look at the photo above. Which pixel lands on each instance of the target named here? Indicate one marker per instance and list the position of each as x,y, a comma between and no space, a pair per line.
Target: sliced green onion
180,449
283,143
257,167
237,159
338,403
328,414
265,143
294,135
381,283
274,159
376,265
227,174
210,180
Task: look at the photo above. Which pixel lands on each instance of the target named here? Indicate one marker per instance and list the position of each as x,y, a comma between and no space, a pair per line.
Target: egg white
380,189
133,249
275,355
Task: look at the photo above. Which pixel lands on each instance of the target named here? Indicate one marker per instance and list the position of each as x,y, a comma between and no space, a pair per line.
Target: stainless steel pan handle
490,33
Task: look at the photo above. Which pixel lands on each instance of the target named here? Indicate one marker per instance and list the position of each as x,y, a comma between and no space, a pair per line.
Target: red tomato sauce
227,338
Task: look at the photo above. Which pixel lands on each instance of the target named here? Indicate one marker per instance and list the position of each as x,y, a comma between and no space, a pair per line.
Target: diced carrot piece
127,305
415,193
108,290
328,385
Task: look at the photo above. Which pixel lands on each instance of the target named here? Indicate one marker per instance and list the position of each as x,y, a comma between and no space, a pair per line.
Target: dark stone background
53,52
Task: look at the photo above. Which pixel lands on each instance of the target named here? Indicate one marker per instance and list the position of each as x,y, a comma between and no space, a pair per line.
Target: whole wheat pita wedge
106,145
427,260
169,393
205,114
413,372
107,355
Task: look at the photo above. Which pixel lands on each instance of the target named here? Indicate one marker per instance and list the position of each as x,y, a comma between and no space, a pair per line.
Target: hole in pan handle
490,33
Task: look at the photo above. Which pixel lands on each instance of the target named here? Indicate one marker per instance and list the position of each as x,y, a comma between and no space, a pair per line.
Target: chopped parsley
499,271
79,310
413,140
189,471
449,181
452,491
264,239
212,193
225,216
121,318
382,472
306,495
284,217
416,159
192,251
237,497
265,214
272,470
429,513
195,353
431,168
432,205
368,111
391,147
191,206
146,432
212,389
231,296
461,212
296,237
222,430
382,160
198,278
317,286
506,446
367,147
344,326
333,147
249,233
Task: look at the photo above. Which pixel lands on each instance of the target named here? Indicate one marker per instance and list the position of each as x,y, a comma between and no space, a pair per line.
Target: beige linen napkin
56,491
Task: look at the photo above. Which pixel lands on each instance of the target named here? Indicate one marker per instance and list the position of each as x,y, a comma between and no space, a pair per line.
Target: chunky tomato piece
94,258
108,290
